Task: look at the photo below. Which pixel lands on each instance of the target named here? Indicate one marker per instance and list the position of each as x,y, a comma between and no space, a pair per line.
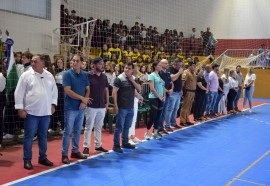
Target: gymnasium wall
261,83
30,32
229,20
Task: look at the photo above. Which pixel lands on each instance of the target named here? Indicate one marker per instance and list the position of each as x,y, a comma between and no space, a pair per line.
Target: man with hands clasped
35,99
77,91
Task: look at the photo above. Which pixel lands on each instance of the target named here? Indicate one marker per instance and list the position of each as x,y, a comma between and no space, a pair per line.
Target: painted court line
254,183
94,156
249,167
53,169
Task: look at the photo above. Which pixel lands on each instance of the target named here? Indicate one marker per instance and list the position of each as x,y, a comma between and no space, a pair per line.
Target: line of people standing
88,92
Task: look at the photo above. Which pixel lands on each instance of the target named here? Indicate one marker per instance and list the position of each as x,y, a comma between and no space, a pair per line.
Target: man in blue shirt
77,90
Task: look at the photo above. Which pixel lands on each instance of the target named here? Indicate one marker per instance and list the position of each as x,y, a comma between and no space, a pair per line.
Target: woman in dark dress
201,90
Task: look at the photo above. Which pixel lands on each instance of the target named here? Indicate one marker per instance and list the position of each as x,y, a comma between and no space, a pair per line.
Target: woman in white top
109,74
233,88
132,138
117,71
222,103
249,87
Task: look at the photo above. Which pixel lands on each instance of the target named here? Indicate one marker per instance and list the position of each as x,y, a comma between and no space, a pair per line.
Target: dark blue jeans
163,113
212,102
73,124
217,103
31,125
235,102
123,123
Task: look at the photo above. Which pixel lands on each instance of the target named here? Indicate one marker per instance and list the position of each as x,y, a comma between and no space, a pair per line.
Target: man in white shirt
35,99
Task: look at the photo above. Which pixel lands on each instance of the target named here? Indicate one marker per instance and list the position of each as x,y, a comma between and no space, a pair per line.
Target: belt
176,91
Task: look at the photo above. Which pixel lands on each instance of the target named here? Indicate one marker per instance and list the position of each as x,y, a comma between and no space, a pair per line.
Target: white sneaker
21,136
146,136
8,136
136,140
156,136
250,110
52,132
130,141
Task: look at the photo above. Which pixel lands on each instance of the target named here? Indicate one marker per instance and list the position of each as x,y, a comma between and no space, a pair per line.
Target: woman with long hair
225,79
144,75
58,116
132,138
117,70
249,87
157,97
201,90
109,74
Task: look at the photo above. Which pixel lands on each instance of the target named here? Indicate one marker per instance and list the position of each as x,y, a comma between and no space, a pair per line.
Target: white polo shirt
35,93
2,82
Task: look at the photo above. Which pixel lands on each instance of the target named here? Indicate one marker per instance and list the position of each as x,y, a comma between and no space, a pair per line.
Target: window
35,8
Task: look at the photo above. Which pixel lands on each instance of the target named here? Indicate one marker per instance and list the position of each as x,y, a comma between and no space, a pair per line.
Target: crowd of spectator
141,37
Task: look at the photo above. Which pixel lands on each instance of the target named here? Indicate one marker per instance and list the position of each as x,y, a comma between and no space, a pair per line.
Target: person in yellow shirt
128,52
135,54
159,52
116,50
105,54
179,54
146,55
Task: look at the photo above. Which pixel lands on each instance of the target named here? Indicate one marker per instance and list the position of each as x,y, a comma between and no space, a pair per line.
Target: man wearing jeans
35,99
213,90
77,91
165,75
239,78
206,73
175,97
123,97
95,112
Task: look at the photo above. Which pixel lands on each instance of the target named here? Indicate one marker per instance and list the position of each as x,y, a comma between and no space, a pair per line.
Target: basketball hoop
71,39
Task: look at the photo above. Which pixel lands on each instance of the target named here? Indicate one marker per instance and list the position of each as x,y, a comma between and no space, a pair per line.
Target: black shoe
101,149
65,160
128,146
78,155
45,162
117,149
185,124
86,151
169,129
189,123
28,165
177,127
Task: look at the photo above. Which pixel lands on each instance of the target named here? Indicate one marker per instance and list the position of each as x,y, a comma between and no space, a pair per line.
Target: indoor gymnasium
142,92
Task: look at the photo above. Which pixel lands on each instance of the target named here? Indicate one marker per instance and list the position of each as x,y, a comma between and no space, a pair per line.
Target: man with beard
95,112
123,98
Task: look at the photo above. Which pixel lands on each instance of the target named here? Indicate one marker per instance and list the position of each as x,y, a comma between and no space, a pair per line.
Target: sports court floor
231,150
